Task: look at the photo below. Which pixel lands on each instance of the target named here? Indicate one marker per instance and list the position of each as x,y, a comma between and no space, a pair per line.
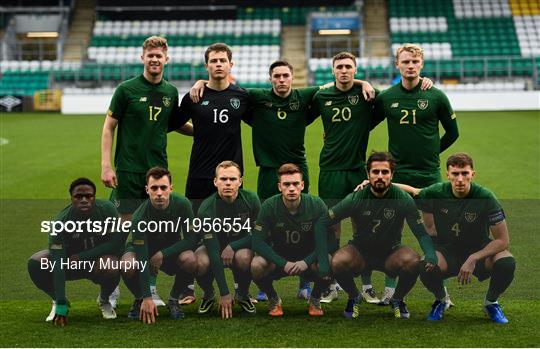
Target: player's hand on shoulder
427,84
362,185
227,256
368,91
149,312
225,306
108,177
196,91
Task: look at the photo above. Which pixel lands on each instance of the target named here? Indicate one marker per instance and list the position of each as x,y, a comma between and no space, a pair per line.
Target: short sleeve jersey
347,119
176,214
291,236
279,126
462,223
216,125
143,111
79,241
246,207
413,125
378,222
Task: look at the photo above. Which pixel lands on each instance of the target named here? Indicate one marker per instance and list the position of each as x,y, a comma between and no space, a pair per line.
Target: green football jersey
234,221
144,111
413,118
462,223
88,245
378,222
147,241
347,119
282,237
279,126
246,207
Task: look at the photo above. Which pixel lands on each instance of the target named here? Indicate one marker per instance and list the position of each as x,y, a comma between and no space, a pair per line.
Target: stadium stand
491,44
464,40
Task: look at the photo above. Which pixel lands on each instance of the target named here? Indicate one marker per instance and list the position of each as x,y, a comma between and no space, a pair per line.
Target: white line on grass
4,141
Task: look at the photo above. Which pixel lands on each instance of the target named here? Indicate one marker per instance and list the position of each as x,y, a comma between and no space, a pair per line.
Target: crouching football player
232,212
463,214
378,212
290,236
152,250
86,253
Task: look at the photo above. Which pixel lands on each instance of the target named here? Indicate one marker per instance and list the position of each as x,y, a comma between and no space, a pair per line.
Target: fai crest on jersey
235,102
294,105
166,101
353,99
470,216
244,216
389,213
306,226
422,103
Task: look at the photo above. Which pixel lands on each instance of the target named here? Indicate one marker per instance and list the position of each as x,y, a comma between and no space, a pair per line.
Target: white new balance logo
394,105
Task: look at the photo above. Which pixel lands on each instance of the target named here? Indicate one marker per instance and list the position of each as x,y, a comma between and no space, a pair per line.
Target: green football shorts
335,185
130,192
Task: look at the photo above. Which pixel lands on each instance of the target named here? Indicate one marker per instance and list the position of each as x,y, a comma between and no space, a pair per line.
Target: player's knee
339,264
129,271
242,259
504,266
105,267
410,262
258,268
188,262
203,264
39,262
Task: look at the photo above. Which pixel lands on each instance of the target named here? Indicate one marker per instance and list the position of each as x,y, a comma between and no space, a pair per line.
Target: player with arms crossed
413,116
463,214
233,211
378,212
291,238
102,248
163,249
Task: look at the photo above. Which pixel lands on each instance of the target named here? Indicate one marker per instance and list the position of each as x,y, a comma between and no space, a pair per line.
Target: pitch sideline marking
4,141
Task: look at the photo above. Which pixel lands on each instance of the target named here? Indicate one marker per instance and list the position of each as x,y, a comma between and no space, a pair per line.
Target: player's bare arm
499,244
429,223
108,176
186,129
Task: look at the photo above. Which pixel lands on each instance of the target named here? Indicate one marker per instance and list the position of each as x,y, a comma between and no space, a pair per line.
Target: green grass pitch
46,151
